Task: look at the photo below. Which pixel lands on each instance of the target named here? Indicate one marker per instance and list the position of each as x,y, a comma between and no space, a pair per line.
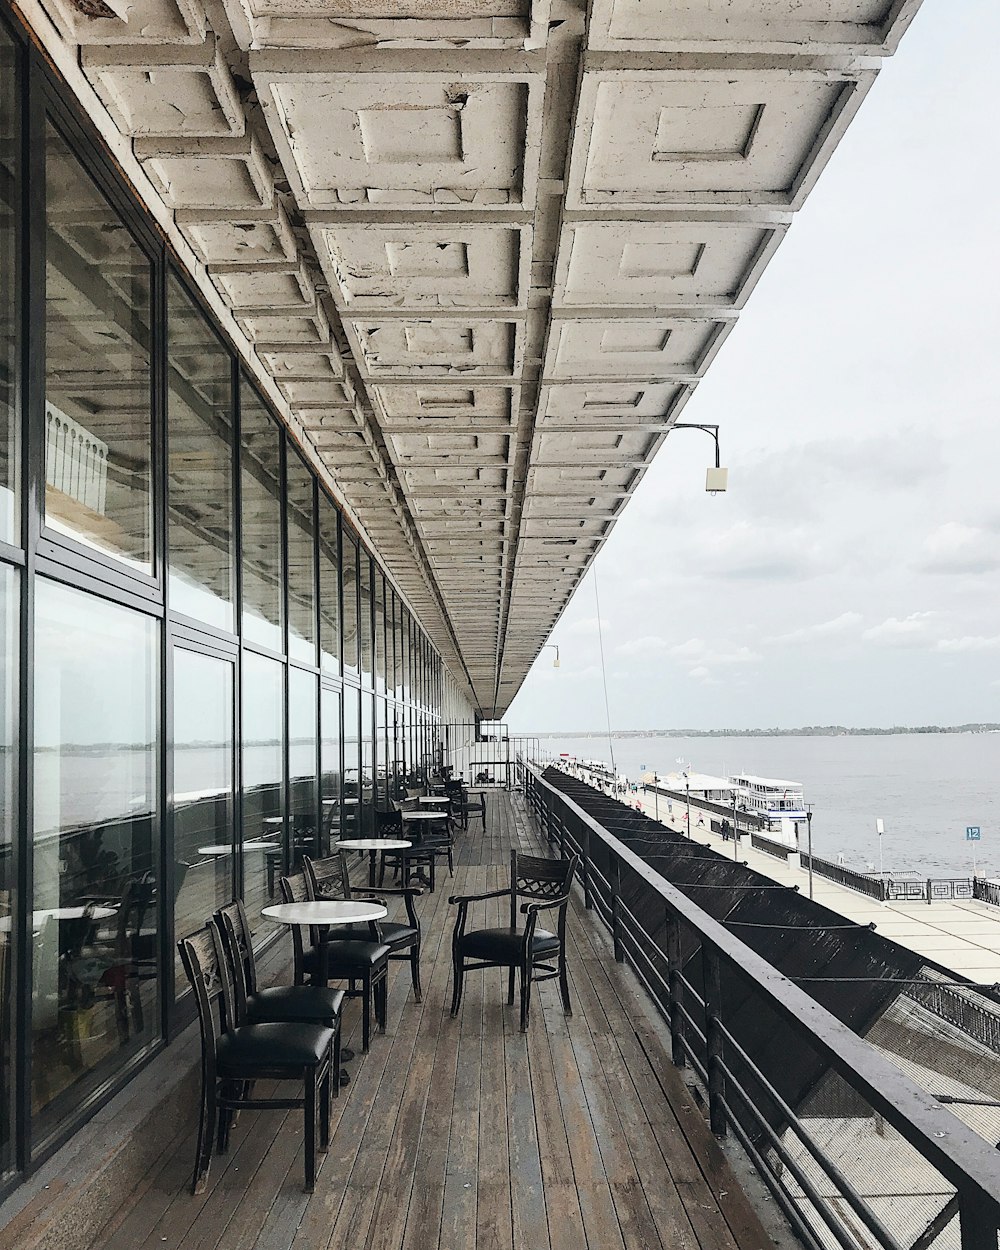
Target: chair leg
324,1105
510,985
564,984
381,998
525,996
451,862
309,1128
206,1138
458,976
230,1089
415,972
337,1060
366,1012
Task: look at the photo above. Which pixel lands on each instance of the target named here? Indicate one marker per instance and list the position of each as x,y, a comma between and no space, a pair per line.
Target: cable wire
604,676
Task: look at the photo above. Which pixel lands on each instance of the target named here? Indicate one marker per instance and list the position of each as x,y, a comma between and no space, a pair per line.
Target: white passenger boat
779,802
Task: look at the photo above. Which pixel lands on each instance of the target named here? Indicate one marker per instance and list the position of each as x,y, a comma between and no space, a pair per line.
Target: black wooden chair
233,1057
282,1004
472,809
538,954
428,844
328,957
330,878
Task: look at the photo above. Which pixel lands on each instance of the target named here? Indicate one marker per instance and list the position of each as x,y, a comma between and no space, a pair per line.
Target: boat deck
468,1133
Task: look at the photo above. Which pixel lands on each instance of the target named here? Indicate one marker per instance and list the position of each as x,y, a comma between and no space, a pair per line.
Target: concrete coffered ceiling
485,248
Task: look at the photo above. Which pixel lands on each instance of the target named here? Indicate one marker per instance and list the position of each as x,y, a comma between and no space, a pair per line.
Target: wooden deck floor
466,1133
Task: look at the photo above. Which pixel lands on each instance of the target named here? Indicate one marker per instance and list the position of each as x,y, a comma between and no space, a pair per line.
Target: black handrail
964,1158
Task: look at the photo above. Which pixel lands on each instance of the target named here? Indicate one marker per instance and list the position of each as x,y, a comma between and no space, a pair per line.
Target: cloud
957,548
911,631
749,551
704,654
649,644
968,643
585,628
845,623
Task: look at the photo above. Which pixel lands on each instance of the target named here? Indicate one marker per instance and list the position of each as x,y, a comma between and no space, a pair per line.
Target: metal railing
769,847
986,891
685,972
874,887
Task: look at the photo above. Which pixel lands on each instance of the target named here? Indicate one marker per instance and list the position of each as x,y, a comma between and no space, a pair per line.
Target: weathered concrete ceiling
486,248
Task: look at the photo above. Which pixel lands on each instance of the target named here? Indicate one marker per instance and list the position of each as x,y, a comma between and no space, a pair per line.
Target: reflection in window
396,621
367,763
301,571
98,367
95,849
380,666
263,816
9,193
365,615
203,790
383,760
350,817
334,802
260,501
200,466
329,585
8,824
349,604
302,688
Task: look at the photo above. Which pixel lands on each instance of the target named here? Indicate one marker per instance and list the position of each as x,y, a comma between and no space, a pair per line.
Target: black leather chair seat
393,935
253,1047
342,954
308,1004
505,944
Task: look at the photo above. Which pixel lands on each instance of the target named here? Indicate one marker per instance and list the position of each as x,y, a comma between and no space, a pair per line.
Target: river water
926,788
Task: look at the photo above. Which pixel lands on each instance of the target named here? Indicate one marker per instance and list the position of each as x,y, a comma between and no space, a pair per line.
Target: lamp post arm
712,430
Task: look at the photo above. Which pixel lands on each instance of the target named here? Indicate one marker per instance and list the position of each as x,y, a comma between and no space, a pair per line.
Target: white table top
372,844
433,800
324,911
38,918
424,815
223,849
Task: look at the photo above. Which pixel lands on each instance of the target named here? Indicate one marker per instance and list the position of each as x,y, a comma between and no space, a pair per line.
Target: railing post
714,1052
585,866
979,1223
673,944
562,836
930,897
616,908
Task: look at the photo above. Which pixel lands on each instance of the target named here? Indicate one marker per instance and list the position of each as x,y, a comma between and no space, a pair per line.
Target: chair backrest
205,964
540,879
295,889
237,943
419,792
389,824
327,878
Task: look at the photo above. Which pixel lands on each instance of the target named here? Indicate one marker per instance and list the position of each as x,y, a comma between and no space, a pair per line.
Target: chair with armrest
234,1056
538,954
323,956
283,1004
330,878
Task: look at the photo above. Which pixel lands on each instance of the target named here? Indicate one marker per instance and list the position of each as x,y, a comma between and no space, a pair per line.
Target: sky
850,575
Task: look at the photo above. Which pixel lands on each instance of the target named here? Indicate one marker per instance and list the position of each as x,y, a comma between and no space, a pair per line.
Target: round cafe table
38,918
434,800
372,846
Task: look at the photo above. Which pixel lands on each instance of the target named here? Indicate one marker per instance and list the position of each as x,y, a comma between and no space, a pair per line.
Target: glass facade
95,846
98,367
10,189
261,509
209,700
202,576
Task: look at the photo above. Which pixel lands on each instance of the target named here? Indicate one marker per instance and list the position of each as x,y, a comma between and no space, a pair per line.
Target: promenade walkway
467,1133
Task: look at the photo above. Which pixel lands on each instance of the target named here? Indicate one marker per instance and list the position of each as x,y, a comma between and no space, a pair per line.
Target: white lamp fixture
555,662
716,479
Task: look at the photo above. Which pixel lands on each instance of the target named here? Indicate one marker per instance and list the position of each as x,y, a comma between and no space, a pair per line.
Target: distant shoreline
804,731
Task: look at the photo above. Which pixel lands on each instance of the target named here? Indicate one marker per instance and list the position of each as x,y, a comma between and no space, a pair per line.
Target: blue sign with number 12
972,833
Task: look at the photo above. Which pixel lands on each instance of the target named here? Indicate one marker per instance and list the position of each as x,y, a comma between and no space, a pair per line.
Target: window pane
203,791
349,823
9,293
329,585
367,763
380,666
98,367
332,798
302,688
95,849
263,817
301,572
383,756
260,478
397,646
349,602
8,824
200,486
365,615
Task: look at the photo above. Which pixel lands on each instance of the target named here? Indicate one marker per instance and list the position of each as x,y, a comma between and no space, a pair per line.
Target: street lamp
555,662
736,841
809,835
687,792
717,479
